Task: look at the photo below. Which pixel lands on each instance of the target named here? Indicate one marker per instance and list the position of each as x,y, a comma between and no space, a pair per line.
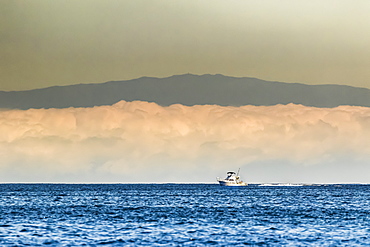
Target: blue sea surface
183,215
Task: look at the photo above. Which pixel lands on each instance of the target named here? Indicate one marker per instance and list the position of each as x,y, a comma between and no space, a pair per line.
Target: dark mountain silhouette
188,90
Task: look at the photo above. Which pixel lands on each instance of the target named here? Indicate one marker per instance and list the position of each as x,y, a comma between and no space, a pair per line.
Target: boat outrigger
232,179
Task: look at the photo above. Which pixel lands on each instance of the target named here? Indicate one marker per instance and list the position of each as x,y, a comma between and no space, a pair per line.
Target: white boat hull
227,183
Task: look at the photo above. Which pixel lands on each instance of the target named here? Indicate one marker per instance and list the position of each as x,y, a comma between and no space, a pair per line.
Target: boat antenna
238,172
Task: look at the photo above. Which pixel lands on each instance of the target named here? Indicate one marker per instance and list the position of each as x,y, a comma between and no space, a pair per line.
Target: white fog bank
144,142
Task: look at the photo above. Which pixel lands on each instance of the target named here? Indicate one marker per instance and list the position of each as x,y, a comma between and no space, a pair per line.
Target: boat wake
281,184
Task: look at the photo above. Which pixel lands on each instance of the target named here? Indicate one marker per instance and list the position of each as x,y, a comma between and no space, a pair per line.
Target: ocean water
183,215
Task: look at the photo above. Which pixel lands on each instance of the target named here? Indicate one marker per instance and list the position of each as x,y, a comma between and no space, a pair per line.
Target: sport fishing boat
232,179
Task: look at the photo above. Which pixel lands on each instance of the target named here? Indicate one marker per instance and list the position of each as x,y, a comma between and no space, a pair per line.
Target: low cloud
144,142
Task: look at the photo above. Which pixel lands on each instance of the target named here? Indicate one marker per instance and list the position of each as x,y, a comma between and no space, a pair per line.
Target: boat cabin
231,176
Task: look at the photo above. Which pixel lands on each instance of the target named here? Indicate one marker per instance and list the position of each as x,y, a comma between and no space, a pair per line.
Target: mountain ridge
188,89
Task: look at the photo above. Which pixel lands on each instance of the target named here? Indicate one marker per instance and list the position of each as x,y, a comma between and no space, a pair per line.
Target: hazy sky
45,43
